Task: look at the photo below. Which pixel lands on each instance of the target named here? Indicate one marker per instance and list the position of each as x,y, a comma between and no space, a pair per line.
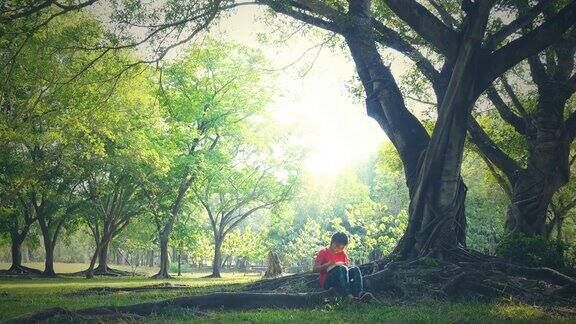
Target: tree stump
274,267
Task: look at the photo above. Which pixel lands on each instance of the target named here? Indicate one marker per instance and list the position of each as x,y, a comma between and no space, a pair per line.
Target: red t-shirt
325,255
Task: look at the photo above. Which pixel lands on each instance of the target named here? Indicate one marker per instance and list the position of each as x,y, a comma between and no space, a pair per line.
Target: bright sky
335,128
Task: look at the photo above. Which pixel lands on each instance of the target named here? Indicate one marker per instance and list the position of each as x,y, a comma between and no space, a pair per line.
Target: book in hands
332,266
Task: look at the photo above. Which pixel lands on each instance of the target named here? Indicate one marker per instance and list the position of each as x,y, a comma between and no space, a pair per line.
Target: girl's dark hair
339,238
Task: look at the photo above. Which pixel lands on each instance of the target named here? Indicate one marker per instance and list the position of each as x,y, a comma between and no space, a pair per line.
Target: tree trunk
217,262
103,255
17,238
274,268
90,271
49,259
548,169
437,223
164,258
429,225
16,253
179,263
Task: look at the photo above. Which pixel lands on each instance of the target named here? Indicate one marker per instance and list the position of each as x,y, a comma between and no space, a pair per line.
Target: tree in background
52,122
246,182
111,193
207,97
562,207
544,120
187,235
16,222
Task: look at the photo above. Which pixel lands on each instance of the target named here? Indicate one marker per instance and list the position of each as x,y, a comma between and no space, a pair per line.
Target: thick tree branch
284,7
440,36
444,14
538,72
392,39
505,112
501,179
487,146
28,11
318,7
565,51
514,98
528,45
524,20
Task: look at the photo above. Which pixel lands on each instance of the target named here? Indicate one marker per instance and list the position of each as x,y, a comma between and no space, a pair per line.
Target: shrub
534,251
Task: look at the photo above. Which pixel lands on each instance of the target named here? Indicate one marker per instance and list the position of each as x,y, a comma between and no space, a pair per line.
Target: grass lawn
19,296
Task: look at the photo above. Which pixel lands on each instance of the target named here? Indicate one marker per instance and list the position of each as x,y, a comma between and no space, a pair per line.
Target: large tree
432,164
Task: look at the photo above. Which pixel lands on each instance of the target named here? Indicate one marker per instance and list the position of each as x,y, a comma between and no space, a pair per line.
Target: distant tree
16,222
51,121
245,184
207,97
111,193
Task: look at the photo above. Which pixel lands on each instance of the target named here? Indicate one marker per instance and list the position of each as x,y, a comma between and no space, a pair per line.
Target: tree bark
384,101
17,237
103,254
385,104
179,263
217,261
90,271
164,258
548,169
16,253
49,259
437,222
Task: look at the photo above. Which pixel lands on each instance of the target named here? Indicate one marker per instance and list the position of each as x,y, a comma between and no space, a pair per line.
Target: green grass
20,296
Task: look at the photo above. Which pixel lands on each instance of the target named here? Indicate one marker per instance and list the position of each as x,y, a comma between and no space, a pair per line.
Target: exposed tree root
222,300
110,290
161,276
451,274
306,281
21,270
59,315
109,272
292,283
